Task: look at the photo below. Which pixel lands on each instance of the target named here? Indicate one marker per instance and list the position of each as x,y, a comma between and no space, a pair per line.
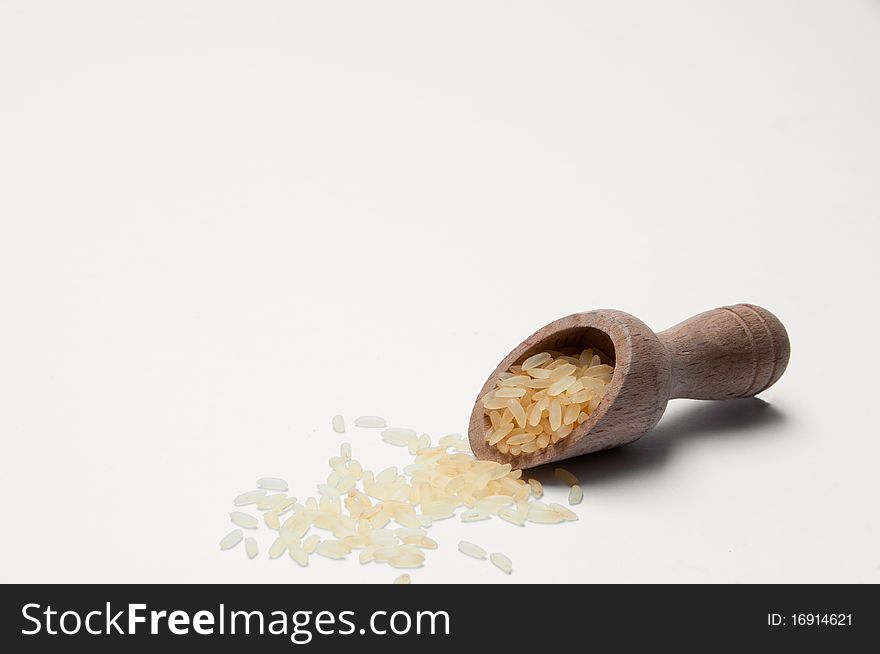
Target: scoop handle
735,351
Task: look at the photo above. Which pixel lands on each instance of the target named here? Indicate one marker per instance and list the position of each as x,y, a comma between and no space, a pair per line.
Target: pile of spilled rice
386,516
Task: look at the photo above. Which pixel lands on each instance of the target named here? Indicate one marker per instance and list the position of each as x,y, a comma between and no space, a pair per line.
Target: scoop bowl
730,352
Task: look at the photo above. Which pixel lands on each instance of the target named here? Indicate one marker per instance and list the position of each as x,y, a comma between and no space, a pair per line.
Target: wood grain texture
735,351
730,352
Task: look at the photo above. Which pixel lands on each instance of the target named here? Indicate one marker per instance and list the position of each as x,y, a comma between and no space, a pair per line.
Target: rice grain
539,403
358,506
250,497
371,422
272,483
406,561
566,477
472,515
501,562
399,436
536,487
271,520
231,539
277,548
243,520
333,549
564,511
268,502
535,360
470,549
310,544
298,554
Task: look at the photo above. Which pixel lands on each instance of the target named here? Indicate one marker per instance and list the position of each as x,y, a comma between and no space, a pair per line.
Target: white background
222,223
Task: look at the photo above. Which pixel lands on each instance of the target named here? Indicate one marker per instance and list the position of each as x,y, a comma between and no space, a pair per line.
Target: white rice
501,562
566,477
471,550
403,579
231,539
271,501
338,423
272,483
406,561
565,512
406,532
333,549
449,440
511,515
298,554
575,495
271,520
545,516
535,360
250,497
439,509
472,515
310,544
243,520
372,422
385,515
277,548
399,436
540,402
280,507
294,528
537,488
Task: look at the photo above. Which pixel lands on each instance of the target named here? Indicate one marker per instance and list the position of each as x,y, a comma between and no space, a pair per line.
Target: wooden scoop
735,351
